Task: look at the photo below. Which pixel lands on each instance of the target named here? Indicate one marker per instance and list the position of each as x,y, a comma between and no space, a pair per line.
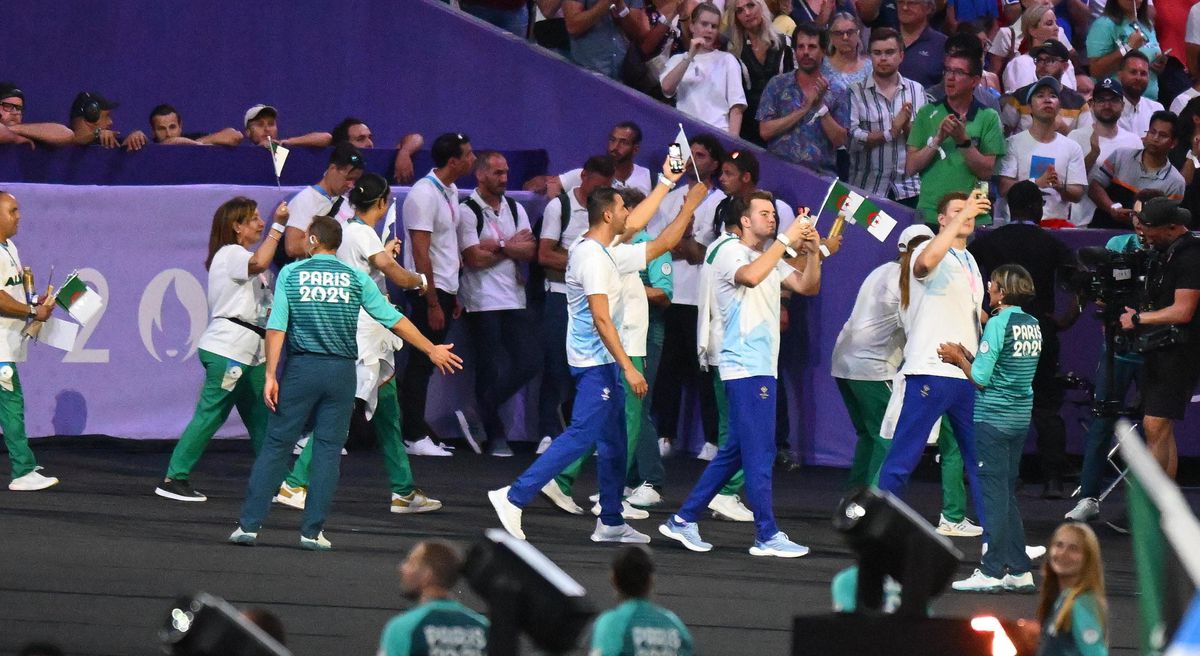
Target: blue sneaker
779,546
686,533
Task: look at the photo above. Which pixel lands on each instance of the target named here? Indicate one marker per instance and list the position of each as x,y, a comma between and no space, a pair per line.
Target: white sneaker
1023,583
730,508
1033,552
465,427
963,529
1086,510
300,444
292,497
623,533
594,497
241,537
544,444
560,499
426,447
414,502
979,582
707,452
318,543
664,447
509,514
627,511
32,482
645,496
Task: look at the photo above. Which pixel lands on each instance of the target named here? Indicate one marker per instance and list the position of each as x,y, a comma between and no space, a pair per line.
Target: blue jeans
512,20
506,361
751,446
1100,429
999,465
321,386
926,398
598,419
556,375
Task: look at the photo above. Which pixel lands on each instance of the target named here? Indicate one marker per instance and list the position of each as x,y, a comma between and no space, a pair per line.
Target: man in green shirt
637,626
954,144
438,624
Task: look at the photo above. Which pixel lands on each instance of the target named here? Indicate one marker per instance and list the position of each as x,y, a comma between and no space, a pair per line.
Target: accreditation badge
233,373
7,373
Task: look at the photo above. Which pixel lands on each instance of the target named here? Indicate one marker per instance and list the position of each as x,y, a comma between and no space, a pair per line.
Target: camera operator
1172,353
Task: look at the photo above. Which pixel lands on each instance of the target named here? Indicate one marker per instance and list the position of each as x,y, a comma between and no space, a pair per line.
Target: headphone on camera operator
1166,225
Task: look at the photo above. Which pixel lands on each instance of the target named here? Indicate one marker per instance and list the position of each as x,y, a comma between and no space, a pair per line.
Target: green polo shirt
1004,366
640,627
950,173
441,627
316,303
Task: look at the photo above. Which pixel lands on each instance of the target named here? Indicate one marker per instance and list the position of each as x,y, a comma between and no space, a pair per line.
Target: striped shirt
1004,366
317,302
879,170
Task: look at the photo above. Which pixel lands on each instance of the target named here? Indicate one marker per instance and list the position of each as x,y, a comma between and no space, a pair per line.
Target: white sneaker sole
499,498
33,488
177,497
289,503
413,510
756,551
952,533
624,539
666,532
989,590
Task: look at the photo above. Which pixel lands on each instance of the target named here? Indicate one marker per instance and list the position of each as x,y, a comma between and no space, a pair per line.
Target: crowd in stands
890,95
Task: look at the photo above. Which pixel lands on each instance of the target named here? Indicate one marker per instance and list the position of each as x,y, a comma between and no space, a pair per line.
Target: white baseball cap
256,110
911,232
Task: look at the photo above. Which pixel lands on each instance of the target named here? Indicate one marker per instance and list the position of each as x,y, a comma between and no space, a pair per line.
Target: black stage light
526,592
204,625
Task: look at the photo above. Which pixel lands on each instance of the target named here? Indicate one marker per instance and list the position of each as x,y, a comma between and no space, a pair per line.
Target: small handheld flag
389,220
79,300
279,155
686,150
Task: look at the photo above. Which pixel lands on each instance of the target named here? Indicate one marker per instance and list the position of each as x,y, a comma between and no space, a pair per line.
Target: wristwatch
1136,319
964,144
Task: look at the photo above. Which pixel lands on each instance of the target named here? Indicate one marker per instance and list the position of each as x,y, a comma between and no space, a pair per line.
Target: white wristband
424,281
621,14
278,227
1194,160
665,181
784,239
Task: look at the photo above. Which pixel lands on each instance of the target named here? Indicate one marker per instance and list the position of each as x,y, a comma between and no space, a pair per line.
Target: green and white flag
858,210
79,300
279,155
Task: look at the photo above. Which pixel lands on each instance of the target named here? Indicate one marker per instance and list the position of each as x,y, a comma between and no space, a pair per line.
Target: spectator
358,133
1114,186
326,198
260,123
1191,41
1073,609
637,621
1117,31
922,43
430,218
801,114
624,143
14,130
599,32
819,12
1084,86
968,45
510,15
166,127
1186,96
1186,154
495,238
1099,139
657,29
981,30
881,111
878,13
706,82
92,123
953,144
1051,60
1041,154
781,10
846,65
438,624
966,11
1134,76
764,53
1012,53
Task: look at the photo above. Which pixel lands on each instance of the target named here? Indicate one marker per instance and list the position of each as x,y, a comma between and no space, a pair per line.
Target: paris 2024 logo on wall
165,321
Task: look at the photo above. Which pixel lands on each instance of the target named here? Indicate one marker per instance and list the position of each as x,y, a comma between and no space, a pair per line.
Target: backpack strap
565,206
470,202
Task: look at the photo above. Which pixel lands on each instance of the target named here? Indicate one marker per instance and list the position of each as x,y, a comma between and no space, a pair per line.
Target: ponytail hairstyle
906,267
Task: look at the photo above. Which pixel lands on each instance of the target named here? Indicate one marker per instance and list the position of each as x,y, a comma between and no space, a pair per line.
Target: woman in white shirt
1010,49
231,348
706,82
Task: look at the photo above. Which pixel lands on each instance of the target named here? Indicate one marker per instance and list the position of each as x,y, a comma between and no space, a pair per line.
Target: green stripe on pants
12,420
738,480
954,488
866,402
633,426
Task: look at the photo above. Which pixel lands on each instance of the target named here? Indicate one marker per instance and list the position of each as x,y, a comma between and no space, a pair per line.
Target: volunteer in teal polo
438,624
14,313
637,625
316,312
953,144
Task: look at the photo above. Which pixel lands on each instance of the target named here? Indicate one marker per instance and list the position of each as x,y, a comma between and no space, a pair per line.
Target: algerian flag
279,155
389,222
858,210
835,198
79,300
685,150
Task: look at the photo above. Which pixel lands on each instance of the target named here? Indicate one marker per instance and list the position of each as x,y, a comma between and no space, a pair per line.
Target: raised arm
670,236
640,216
940,245
265,253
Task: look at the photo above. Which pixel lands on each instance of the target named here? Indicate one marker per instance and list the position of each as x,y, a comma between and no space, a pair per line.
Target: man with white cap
260,123
868,353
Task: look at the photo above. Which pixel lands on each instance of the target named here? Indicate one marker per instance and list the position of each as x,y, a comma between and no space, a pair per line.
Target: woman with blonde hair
762,51
1010,48
1073,609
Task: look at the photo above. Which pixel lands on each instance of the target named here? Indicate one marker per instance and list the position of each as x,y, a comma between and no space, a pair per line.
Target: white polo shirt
432,207
686,277
312,201
943,307
552,227
233,292
749,315
591,270
12,346
496,287
638,179
635,320
871,344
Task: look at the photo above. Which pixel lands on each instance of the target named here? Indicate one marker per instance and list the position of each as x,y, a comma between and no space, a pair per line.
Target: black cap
10,90
1158,212
1109,85
1050,47
345,154
1046,82
86,101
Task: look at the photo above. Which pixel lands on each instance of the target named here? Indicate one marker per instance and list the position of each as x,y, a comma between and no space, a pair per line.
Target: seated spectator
510,15
1116,32
706,82
637,625
166,127
438,624
357,133
1099,139
600,30
1041,154
923,45
967,45
846,65
801,115
1051,60
1114,186
92,123
13,129
1011,49
763,51
1134,77
260,123
655,30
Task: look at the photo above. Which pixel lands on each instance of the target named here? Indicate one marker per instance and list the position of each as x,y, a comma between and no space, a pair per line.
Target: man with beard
801,116
623,144
1100,139
1114,186
1134,77
438,624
